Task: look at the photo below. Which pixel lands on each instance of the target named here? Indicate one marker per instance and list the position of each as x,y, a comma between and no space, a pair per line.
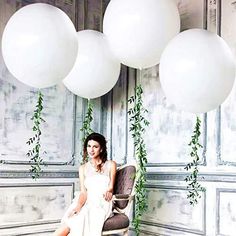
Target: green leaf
192,178
34,153
138,122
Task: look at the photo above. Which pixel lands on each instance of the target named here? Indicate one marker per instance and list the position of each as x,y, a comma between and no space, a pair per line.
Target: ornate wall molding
207,177
10,174
36,232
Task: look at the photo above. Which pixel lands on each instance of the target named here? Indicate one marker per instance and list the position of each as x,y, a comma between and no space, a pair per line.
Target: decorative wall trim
218,192
12,174
147,232
12,162
182,229
36,232
204,149
207,177
174,164
126,116
10,185
220,161
73,152
39,222
169,227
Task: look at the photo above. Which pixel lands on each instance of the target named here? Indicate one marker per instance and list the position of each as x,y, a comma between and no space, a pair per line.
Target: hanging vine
34,153
194,187
86,127
138,122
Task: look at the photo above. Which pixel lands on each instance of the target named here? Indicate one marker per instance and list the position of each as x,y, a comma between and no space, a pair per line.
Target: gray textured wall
28,206
167,138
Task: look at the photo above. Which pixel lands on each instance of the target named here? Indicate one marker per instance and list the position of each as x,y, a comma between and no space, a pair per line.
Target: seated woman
88,212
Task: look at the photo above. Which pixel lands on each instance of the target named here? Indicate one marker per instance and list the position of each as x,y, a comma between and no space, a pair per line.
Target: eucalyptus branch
34,153
86,127
194,187
138,122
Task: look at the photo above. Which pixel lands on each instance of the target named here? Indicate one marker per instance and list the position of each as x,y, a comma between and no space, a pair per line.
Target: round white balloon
139,30
96,70
197,71
39,45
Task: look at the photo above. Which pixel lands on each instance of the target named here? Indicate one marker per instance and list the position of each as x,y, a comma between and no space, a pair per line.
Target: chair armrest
121,202
122,197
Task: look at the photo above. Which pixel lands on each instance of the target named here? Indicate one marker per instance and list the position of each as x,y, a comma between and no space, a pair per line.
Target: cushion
124,184
117,221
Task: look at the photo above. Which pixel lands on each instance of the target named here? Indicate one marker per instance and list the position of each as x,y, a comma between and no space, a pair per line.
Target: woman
88,212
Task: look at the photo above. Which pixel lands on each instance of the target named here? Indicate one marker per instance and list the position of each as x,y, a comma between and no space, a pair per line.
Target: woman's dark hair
102,142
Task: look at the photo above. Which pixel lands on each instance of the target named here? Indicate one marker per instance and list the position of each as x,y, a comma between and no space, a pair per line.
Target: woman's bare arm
109,192
83,193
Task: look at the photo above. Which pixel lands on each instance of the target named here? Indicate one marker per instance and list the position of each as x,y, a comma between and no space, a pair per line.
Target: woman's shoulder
112,164
83,166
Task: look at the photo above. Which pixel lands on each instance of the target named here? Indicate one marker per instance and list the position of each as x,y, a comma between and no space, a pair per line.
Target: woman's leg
62,231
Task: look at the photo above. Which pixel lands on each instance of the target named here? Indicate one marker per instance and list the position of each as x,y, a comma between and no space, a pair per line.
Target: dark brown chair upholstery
122,199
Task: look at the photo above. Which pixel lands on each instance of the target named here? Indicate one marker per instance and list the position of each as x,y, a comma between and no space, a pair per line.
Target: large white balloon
39,45
197,71
139,30
96,70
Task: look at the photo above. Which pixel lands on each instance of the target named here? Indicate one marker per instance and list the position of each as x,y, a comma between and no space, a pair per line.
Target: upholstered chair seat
118,221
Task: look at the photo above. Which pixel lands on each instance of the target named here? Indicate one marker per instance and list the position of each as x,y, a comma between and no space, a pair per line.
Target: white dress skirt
89,221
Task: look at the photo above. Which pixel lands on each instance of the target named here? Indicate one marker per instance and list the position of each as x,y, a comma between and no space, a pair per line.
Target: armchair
122,201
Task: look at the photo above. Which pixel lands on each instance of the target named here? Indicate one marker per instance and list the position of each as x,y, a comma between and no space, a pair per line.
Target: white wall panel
184,217
32,204
226,212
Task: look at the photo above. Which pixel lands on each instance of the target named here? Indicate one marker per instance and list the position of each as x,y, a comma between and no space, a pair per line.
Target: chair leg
126,233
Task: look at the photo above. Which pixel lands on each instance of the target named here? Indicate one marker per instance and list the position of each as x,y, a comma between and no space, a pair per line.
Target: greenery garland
192,179
34,153
86,126
137,127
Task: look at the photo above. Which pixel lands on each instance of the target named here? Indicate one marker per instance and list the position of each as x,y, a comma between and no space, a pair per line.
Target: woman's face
93,149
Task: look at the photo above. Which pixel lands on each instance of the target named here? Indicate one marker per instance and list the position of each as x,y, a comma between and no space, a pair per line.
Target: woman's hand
108,195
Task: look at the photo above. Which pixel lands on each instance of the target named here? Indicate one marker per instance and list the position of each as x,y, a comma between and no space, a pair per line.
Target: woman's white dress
89,221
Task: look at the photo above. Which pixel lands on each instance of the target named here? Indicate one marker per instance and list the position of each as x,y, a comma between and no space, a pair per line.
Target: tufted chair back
124,184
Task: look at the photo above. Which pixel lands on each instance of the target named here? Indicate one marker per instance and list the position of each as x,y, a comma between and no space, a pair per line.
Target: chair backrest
124,184
124,189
